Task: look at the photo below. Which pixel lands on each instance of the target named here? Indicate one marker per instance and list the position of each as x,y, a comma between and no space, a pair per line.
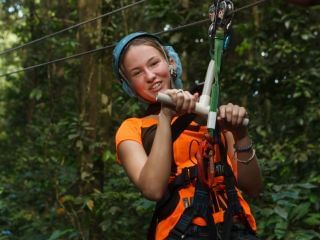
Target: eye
136,73
154,62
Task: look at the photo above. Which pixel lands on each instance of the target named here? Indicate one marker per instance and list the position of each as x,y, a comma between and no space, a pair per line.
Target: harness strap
187,175
199,208
171,198
180,124
234,207
168,203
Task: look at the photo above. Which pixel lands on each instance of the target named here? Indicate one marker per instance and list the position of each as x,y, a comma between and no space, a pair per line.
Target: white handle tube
206,92
199,108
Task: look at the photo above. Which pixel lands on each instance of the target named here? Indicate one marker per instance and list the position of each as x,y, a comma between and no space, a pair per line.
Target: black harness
201,205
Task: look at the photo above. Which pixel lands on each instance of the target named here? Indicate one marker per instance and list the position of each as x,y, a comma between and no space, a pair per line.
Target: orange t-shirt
184,150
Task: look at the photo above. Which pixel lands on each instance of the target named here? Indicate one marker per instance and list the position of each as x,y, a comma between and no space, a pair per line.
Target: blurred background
60,107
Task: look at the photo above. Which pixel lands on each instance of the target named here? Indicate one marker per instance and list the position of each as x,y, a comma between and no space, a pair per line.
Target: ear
172,63
172,71
172,68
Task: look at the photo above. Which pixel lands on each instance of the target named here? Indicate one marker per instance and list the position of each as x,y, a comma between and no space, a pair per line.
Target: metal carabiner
220,16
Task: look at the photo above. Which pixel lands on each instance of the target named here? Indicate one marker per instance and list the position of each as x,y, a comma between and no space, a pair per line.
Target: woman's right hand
183,101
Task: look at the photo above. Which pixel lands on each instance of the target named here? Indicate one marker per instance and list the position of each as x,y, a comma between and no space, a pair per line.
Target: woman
186,208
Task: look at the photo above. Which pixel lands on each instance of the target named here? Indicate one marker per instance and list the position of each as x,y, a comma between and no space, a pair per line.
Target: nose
150,75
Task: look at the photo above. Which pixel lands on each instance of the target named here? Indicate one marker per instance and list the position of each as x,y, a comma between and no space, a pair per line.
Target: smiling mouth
156,86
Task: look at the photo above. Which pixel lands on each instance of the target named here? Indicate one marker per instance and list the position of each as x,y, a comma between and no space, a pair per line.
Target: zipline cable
59,60
69,28
248,6
112,45
208,20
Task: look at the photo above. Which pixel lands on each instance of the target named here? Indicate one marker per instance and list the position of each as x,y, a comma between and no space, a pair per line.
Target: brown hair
148,41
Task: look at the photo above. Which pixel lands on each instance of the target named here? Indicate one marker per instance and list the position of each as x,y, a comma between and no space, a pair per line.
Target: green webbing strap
218,50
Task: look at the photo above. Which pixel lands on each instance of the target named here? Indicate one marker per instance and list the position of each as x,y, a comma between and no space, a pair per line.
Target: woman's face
147,70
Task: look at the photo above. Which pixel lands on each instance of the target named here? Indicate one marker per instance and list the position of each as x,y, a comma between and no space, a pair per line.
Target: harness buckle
188,174
178,234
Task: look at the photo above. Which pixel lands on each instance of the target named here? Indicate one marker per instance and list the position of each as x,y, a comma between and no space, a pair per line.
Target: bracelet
243,149
245,161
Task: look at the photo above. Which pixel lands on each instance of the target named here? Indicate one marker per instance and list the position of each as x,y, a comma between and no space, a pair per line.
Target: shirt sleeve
130,129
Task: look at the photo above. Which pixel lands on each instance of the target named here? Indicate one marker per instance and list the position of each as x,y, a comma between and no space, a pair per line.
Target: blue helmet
118,51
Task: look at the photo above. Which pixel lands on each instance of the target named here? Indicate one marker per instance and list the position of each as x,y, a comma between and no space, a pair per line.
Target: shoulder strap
234,207
177,127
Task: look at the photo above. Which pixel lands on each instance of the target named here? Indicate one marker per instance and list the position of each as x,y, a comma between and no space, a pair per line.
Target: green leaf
57,234
36,94
281,229
73,136
114,209
281,212
300,211
313,219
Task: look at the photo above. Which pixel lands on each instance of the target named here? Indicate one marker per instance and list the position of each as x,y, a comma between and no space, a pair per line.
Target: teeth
155,86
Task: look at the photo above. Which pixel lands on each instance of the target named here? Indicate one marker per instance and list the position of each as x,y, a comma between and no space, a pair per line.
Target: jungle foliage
59,178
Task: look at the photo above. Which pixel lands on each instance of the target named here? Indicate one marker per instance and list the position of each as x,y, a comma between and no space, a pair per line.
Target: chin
148,99
151,97
152,100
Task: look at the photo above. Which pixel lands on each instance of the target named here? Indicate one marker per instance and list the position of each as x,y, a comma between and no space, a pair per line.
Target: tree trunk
90,160
30,75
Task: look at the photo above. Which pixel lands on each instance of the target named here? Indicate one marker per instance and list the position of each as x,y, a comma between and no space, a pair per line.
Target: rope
112,45
69,28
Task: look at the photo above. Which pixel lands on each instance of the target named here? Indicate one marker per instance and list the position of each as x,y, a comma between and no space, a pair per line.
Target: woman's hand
231,118
183,101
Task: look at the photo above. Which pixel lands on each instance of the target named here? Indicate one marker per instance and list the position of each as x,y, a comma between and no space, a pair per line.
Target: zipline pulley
220,16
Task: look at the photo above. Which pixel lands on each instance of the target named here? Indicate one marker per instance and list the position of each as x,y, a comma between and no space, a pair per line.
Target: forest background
58,174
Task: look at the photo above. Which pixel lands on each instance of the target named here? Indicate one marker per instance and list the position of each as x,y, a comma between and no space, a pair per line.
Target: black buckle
219,169
187,177
177,233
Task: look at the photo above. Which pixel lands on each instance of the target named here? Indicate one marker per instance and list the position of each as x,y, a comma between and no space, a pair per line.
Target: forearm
156,171
249,175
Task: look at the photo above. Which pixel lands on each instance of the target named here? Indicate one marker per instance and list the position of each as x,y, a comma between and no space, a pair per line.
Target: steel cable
69,28
112,45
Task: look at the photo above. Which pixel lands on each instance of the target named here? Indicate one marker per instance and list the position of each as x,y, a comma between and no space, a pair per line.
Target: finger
235,114
179,100
222,112
228,112
186,103
196,96
242,115
172,93
192,102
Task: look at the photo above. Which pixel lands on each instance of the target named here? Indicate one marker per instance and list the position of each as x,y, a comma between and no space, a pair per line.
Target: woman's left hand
231,118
